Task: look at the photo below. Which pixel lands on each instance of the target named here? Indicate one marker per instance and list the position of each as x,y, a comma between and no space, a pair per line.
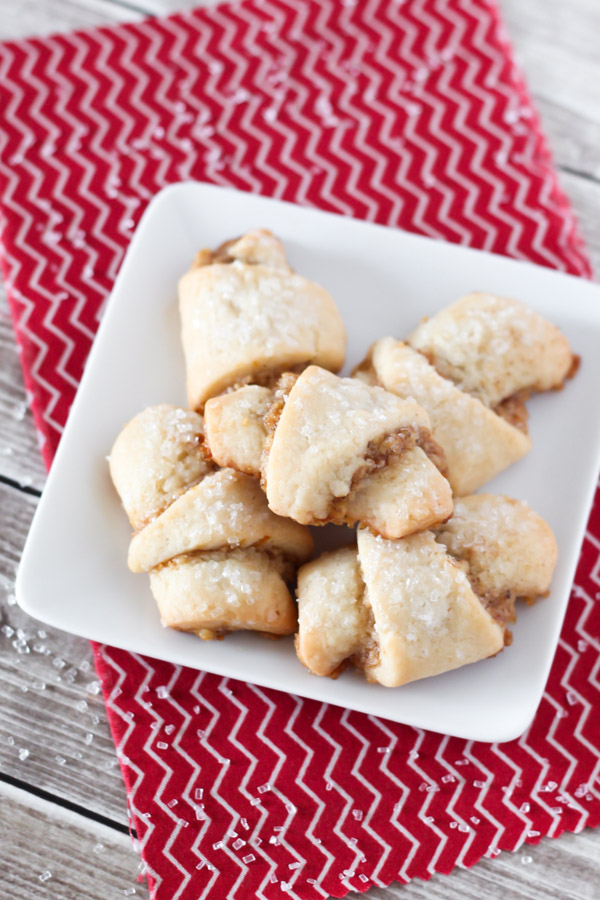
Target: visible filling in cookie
378,454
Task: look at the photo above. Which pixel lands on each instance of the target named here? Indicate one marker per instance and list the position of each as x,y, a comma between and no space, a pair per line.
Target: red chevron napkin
411,114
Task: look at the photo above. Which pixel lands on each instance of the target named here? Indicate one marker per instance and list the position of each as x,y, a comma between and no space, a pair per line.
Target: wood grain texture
557,45
49,852
53,730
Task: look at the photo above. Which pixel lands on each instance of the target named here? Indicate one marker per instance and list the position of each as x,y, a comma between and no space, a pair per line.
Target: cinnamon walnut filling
380,454
499,604
221,255
268,378
514,411
282,389
208,257
369,654
501,607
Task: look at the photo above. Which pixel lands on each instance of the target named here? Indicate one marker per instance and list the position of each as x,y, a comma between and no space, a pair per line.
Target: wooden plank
50,852
53,729
557,45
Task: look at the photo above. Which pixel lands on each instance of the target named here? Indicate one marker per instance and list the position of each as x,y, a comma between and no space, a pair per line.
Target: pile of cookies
220,495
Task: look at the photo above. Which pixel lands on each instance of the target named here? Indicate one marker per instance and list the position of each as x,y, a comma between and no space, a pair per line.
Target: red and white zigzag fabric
410,113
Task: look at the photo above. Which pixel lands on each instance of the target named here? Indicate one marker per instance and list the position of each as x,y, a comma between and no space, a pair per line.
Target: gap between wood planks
50,851
66,804
585,175
24,488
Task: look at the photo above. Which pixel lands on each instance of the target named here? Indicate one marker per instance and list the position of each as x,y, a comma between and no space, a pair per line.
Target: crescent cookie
333,449
493,348
218,558
507,546
472,367
426,604
477,442
246,317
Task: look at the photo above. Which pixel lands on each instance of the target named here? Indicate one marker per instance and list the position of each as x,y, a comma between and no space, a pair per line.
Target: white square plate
73,573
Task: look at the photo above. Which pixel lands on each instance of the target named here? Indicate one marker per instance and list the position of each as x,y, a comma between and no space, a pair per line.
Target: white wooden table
63,824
